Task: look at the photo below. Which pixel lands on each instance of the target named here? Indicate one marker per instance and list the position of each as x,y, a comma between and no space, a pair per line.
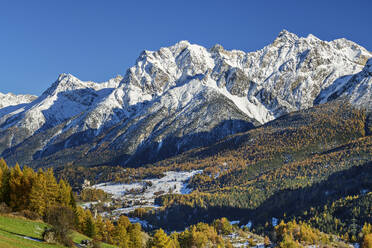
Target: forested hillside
298,161
313,165
292,167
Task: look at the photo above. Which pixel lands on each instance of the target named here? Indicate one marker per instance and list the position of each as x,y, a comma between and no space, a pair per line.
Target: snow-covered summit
285,36
67,98
183,96
68,82
11,99
284,76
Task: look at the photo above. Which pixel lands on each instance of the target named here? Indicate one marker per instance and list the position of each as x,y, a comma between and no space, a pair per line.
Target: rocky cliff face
357,88
181,97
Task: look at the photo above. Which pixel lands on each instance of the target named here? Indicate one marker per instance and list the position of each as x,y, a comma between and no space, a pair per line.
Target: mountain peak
63,76
183,43
64,82
217,48
312,37
2,94
285,35
180,46
11,99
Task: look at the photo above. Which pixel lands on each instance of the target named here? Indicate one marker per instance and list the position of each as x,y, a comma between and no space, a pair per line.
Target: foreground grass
10,240
78,237
14,229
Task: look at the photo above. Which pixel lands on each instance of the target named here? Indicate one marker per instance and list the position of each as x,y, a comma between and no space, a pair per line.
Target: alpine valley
192,134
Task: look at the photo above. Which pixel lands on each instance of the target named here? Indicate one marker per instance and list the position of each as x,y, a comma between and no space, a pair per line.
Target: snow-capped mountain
357,88
10,102
11,99
181,97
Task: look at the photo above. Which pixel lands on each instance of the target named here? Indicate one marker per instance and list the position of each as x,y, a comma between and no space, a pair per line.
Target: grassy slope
13,229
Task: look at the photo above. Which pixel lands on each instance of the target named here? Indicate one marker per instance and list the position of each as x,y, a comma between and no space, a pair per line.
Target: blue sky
96,40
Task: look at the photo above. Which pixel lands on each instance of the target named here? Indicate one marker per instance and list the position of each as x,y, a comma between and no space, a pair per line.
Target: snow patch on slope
172,181
145,191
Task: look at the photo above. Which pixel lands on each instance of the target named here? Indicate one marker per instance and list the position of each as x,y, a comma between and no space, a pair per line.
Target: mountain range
178,98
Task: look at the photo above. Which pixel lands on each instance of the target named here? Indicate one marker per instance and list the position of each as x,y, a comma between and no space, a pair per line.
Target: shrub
4,209
61,218
49,236
30,214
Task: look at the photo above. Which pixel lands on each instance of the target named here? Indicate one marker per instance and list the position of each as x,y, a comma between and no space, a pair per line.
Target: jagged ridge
180,97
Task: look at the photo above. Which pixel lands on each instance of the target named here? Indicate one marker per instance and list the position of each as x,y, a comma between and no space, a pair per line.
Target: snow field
143,193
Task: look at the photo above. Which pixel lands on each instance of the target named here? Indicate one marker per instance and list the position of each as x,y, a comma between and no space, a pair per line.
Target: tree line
39,195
